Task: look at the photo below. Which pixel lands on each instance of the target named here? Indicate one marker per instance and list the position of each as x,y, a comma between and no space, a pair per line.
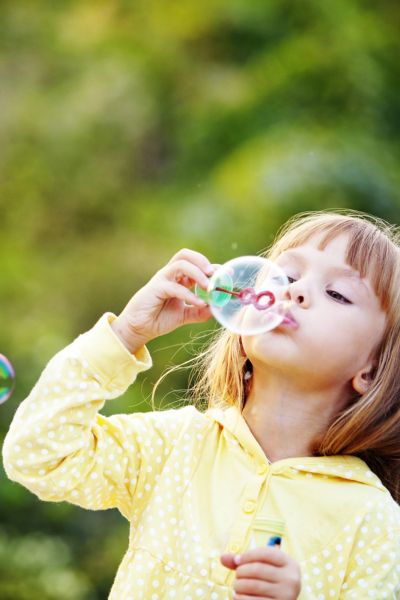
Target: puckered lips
290,321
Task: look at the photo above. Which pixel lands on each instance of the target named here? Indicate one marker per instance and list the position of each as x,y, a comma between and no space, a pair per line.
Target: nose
297,292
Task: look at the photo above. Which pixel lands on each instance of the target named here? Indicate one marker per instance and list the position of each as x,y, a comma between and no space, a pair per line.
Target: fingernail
236,559
211,269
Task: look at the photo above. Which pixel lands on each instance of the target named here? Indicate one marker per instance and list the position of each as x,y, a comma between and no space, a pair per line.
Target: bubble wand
249,296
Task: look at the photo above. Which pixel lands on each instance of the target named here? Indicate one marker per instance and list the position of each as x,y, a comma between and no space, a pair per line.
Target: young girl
301,438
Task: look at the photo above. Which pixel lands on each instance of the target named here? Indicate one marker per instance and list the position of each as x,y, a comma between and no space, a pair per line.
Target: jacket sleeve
60,447
374,569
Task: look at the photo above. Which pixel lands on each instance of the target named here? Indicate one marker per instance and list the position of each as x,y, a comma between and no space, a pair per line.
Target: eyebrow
343,271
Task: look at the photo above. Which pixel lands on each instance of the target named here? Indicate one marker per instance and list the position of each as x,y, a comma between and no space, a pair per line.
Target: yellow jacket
194,485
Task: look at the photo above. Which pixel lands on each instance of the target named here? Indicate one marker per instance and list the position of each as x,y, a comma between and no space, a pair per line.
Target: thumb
227,561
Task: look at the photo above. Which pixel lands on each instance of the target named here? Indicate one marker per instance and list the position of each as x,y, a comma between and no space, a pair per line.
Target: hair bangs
370,250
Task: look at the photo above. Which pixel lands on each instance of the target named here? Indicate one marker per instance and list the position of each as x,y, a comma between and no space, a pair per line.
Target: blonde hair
369,427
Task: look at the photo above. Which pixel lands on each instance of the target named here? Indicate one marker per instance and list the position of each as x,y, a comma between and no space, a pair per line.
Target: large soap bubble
7,378
247,295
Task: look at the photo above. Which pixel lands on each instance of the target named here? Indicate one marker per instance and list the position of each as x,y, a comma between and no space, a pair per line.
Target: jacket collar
340,466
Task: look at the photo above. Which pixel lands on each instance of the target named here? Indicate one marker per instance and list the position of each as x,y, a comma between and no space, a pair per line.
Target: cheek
348,343
322,339
331,332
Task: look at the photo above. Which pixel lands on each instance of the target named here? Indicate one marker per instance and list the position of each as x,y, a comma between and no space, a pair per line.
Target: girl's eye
339,297
332,293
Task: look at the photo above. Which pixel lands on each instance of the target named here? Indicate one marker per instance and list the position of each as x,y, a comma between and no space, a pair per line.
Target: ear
362,381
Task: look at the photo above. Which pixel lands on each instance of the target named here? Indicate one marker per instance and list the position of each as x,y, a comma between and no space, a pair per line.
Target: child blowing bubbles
309,438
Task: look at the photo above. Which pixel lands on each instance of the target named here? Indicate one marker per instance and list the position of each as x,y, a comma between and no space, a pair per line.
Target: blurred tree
131,129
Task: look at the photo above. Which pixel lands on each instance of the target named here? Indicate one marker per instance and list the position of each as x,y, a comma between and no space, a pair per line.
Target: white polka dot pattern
193,485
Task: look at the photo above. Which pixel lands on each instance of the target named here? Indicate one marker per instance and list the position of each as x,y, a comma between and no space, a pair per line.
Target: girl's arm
61,448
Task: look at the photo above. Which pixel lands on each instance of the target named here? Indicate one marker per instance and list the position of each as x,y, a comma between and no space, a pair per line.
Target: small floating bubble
7,378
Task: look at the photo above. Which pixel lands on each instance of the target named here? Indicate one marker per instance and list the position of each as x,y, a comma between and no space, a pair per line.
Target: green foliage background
131,129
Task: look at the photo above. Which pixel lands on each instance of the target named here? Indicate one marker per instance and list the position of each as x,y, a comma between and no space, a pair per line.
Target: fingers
264,573
255,587
257,579
252,568
197,314
228,561
246,597
194,257
268,554
174,290
185,273
258,570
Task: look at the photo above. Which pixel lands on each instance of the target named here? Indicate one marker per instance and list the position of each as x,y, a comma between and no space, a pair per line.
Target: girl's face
340,321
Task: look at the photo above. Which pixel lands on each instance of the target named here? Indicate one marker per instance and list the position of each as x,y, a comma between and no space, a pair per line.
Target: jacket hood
345,467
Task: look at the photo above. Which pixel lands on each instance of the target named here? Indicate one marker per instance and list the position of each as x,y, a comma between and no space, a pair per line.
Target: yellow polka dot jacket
194,485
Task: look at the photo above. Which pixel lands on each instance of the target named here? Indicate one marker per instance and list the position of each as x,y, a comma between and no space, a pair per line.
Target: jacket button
249,506
234,548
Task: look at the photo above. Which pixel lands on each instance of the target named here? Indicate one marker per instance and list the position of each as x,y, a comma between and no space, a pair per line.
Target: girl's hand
264,573
166,301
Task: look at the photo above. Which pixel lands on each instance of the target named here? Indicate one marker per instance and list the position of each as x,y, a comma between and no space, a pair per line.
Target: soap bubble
7,378
246,295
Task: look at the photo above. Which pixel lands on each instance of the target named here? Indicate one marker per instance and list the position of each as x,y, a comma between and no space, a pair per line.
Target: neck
287,419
